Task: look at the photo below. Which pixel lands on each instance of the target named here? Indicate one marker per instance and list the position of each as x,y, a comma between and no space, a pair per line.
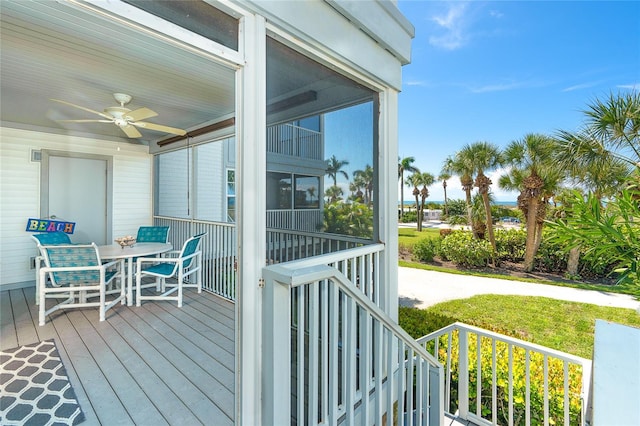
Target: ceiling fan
125,118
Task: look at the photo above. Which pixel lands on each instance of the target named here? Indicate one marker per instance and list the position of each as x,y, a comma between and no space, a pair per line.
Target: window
278,191
306,193
231,195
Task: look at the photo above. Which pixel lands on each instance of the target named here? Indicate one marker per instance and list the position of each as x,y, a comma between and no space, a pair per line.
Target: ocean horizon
497,203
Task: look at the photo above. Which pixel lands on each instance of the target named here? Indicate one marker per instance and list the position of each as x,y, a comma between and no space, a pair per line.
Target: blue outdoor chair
75,270
175,264
153,234
47,239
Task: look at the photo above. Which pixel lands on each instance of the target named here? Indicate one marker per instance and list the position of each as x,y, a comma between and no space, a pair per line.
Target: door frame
44,182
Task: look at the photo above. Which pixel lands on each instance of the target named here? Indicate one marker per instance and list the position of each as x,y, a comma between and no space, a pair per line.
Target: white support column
388,198
251,171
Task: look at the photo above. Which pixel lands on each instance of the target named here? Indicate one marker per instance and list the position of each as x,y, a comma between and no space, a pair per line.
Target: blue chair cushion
52,238
152,234
75,256
166,269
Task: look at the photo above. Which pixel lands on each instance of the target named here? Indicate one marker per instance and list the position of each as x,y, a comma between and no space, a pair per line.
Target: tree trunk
492,238
573,261
470,214
419,224
530,248
401,197
446,209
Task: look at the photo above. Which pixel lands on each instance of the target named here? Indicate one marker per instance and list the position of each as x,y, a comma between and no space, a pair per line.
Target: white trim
387,197
161,29
251,164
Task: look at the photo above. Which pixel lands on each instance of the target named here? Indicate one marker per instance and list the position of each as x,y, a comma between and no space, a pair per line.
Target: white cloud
633,86
497,87
452,24
581,86
416,83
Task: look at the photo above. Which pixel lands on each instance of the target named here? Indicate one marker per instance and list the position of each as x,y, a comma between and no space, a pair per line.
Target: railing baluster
565,370
300,354
494,384
527,373
545,398
511,385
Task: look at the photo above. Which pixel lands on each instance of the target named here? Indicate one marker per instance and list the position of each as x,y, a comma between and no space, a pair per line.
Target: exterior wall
20,192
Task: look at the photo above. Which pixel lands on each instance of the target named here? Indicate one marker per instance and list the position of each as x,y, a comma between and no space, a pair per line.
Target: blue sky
495,71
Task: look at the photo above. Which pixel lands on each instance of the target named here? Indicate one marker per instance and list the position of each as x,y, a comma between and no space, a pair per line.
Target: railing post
463,373
276,353
436,395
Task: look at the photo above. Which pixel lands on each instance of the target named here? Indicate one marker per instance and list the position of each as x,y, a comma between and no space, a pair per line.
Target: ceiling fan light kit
125,118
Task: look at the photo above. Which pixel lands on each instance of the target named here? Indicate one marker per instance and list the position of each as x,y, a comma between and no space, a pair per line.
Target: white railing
300,220
493,379
287,139
288,245
218,251
347,360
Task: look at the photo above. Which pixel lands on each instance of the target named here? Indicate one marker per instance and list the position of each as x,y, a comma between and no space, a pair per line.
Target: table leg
130,282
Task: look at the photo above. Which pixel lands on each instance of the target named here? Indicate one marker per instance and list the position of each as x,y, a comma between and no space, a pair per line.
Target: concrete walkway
421,289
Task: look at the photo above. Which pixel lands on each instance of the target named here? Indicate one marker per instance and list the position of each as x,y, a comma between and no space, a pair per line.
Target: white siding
20,191
210,182
173,178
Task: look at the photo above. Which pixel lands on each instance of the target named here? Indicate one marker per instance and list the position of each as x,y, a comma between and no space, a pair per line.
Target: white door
77,192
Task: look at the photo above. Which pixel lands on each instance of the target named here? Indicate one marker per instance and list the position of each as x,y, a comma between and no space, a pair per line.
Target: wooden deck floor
153,365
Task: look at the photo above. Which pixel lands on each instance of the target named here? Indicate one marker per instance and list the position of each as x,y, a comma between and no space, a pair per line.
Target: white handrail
475,414
377,386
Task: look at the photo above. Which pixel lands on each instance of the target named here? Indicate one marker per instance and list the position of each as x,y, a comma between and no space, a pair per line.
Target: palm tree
486,156
414,180
404,165
420,179
615,123
365,179
590,165
444,177
333,193
535,174
426,179
312,192
334,168
461,164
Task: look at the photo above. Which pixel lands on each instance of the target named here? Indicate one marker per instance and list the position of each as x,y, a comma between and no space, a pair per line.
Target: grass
561,325
629,289
407,237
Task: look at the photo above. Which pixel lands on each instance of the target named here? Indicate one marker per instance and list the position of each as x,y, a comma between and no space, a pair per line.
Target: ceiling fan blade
101,114
131,131
85,121
160,128
140,114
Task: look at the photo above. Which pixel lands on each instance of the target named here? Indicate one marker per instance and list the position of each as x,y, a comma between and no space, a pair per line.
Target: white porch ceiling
50,50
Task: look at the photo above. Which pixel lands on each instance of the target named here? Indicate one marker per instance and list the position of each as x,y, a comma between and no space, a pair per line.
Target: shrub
445,232
461,248
510,244
409,216
536,362
419,322
426,249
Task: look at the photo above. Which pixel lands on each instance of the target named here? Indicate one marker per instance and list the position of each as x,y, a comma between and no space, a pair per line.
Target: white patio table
115,251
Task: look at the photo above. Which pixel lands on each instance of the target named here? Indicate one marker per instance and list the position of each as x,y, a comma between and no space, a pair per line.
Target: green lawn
409,236
561,325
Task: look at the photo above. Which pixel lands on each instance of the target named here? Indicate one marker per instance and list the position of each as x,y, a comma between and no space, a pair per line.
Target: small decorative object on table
127,241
